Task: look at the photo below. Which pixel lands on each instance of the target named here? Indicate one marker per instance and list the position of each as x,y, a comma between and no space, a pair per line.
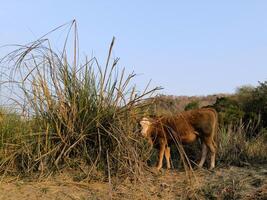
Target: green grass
237,149
84,115
78,113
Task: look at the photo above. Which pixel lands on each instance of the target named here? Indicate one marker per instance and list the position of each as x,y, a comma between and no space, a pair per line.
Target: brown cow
185,127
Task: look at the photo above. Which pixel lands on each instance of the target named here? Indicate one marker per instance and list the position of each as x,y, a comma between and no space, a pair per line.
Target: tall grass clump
235,148
79,114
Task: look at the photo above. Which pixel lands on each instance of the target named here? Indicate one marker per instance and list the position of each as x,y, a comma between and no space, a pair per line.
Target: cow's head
145,127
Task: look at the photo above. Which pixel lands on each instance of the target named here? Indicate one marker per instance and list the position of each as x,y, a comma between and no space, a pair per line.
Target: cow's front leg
162,144
167,156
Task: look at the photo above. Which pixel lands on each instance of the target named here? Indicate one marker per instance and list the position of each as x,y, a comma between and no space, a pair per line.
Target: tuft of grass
227,190
77,113
236,149
257,149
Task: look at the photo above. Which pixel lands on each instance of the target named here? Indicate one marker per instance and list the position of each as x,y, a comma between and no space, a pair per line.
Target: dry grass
74,113
81,119
223,183
168,104
236,149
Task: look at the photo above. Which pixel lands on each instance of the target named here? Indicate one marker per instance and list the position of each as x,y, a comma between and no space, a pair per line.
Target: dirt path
224,183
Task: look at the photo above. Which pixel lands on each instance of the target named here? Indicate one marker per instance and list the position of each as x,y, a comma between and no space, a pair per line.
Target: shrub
229,111
254,104
192,105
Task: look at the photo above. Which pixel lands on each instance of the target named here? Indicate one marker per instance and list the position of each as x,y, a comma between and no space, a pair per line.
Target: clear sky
187,47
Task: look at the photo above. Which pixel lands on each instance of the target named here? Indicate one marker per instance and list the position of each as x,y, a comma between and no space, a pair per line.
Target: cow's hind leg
162,144
167,156
212,147
204,154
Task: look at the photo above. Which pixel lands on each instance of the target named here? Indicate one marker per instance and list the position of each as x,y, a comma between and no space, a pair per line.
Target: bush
255,105
192,105
229,111
248,105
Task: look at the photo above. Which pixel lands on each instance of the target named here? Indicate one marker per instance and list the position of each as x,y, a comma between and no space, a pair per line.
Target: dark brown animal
185,127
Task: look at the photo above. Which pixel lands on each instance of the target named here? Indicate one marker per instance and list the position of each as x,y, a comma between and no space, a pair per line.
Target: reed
76,113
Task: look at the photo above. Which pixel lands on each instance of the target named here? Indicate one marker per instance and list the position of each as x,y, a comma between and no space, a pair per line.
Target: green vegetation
242,133
192,105
84,116
78,115
235,148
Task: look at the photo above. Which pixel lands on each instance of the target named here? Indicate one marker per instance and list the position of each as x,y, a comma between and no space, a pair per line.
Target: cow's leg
167,156
150,142
212,148
162,144
204,154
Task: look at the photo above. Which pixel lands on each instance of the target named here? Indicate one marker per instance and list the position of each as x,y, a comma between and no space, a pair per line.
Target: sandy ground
223,183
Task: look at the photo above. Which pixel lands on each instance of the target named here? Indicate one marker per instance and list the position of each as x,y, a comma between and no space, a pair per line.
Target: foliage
248,105
229,111
255,104
192,105
84,113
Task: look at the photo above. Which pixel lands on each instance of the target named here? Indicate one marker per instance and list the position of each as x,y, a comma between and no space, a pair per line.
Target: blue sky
187,47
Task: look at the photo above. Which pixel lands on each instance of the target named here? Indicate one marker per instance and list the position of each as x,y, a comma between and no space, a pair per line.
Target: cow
185,128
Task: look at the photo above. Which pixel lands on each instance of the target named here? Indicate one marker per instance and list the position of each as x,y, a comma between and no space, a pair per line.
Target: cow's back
185,126
203,120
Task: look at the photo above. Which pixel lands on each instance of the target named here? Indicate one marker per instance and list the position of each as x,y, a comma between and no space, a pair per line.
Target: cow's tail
216,128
